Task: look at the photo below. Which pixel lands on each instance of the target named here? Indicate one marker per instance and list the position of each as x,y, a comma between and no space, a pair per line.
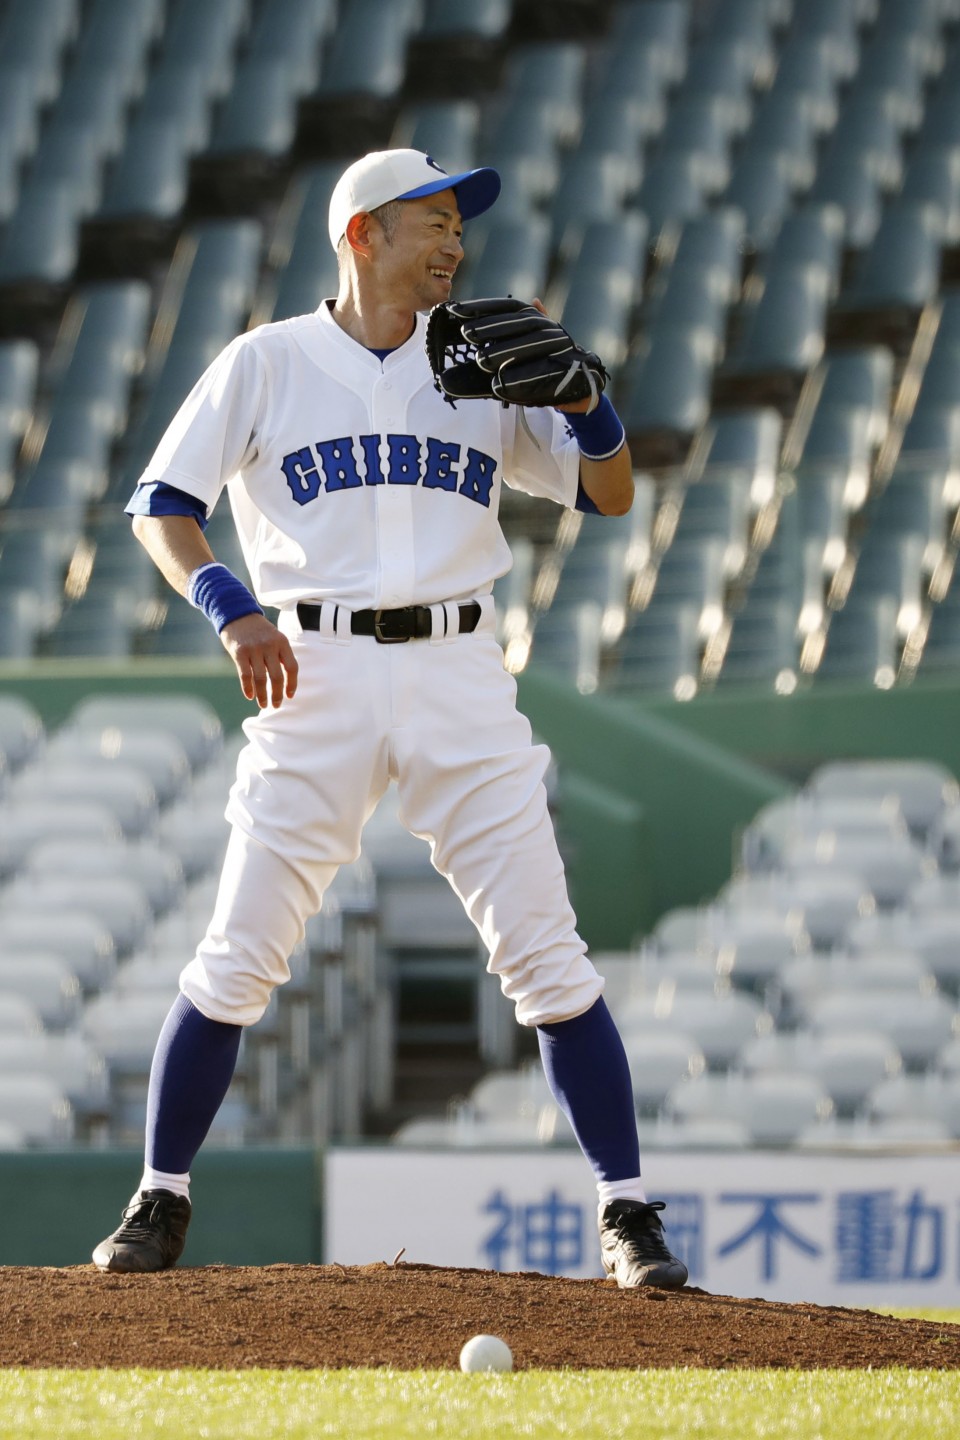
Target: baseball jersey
352,479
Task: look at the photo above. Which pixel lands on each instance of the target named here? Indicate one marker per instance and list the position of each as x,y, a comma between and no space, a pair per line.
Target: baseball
485,1352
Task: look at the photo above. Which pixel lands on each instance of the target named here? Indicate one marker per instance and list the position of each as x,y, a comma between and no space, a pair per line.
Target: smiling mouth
442,275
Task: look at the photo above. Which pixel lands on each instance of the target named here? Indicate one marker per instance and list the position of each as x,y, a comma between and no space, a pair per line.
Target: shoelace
137,1218
641,1230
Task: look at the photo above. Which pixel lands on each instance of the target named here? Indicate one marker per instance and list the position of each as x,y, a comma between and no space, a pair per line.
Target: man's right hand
264,658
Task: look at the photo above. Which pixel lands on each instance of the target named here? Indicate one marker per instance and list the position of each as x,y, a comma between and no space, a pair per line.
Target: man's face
415,268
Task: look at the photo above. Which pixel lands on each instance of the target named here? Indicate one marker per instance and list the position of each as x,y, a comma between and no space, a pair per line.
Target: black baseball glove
505,349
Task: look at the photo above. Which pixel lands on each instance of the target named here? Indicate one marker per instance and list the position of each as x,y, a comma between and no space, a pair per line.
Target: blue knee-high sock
193,1065
588,1074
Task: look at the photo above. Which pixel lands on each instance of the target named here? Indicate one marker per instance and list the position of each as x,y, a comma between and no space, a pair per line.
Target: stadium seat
660,28
935,892
896,277
701,128
20,106
763,647
41,243
848,1064
659,651
809,235
862,643
784,125
917,1097
824,903
717,508
672,191
513,260
932,180
293,31
207,34
145,193
741,443
693,572
917,1025
720,1024
150,748
192,721
66,1059
780,339
714,241
867,128
923,788
808,66
446,129
567,639
621,125
842,181
691,298
659,1060
767,840
458,47
860,377
179,93
761,187
667,393
38,1107
727,65
773,1105
804,981
591,187
33,36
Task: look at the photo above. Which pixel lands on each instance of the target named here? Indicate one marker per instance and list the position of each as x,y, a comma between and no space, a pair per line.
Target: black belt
392,627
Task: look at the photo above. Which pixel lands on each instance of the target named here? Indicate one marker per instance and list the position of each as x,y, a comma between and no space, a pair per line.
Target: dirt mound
413,1316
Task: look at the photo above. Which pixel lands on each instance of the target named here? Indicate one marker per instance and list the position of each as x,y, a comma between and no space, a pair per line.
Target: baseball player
366,506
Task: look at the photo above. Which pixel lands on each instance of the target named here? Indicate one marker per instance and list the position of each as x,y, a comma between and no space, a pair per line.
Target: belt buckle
378,632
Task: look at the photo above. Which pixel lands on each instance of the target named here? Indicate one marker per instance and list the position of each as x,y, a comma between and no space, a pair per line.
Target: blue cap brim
476,190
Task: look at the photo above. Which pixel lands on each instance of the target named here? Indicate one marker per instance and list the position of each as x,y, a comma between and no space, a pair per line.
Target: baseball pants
439,717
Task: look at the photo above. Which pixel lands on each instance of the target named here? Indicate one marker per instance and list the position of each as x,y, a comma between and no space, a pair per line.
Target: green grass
435,1405
431,1405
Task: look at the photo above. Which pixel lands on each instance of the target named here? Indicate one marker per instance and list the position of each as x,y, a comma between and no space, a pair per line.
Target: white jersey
354,480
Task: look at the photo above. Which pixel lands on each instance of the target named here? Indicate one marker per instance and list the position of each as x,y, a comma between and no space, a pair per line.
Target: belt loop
341,625
452,612
438,624
328,612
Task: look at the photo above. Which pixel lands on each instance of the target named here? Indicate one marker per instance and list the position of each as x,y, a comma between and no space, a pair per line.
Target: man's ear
358,232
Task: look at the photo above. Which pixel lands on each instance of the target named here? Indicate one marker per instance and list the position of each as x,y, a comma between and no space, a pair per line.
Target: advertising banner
851,1230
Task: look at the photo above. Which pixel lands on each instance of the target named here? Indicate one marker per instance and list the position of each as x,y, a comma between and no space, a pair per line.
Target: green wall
260,1207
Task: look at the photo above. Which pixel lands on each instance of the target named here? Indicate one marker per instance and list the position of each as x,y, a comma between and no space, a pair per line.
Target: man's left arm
608,482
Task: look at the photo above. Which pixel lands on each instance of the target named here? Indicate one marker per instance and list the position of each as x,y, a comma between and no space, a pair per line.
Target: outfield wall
257,1206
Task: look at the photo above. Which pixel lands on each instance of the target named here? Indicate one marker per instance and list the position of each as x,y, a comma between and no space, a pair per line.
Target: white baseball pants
439,717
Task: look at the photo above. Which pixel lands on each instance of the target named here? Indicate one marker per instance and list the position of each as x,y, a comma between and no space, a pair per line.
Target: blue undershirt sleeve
158,498
584,503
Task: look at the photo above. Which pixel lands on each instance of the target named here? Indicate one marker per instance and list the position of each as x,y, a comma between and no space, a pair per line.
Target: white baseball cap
405,175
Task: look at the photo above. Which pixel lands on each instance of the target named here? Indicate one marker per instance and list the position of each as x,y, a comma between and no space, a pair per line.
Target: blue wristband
600,434
220,595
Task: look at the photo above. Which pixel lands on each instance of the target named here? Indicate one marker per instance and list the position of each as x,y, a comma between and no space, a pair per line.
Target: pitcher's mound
417,1316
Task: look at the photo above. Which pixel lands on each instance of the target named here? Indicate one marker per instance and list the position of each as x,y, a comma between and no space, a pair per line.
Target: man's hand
264,658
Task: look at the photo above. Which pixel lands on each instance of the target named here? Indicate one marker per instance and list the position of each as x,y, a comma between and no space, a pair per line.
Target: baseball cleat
150,1237
633,1249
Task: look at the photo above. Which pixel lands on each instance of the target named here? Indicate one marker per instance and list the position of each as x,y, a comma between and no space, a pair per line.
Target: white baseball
485,1352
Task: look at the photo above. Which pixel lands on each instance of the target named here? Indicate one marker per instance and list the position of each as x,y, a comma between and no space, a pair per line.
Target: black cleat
633,1249
151,1236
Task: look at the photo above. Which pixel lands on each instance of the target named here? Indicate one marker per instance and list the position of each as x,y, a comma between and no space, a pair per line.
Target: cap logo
433,164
